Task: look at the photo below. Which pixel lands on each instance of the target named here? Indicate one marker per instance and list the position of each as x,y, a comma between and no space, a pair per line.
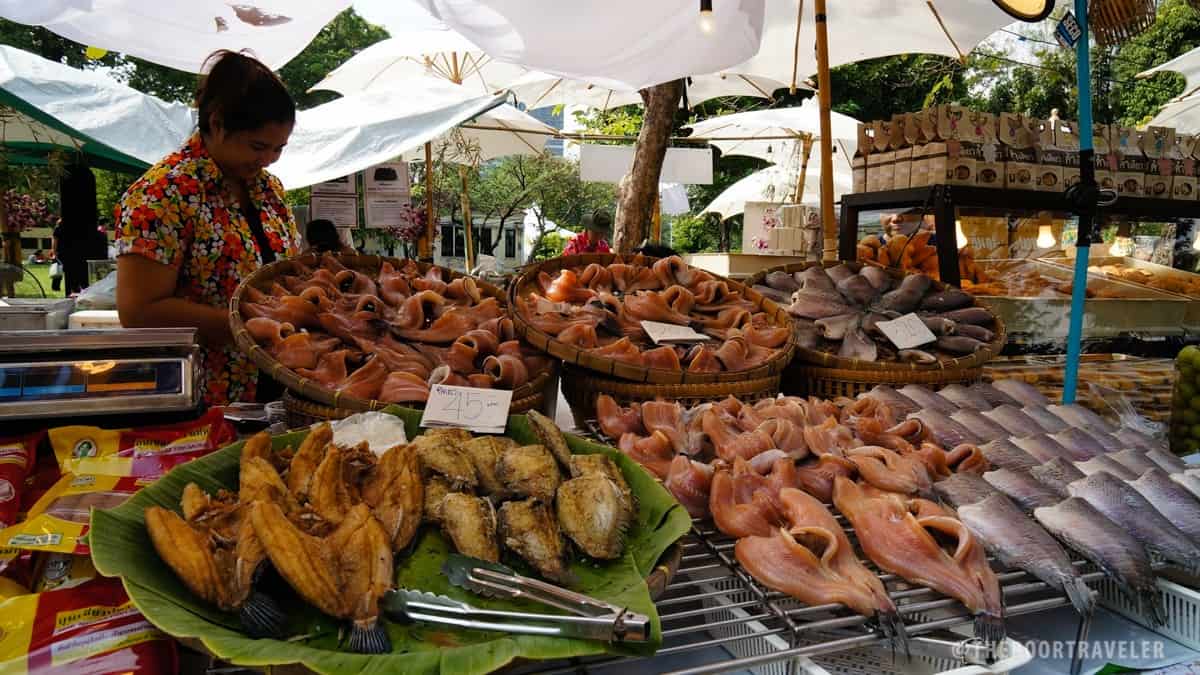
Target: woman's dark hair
322,236
243,93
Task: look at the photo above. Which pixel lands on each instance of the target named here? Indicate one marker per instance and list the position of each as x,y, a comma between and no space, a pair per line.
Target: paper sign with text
907,332
483,411
669,332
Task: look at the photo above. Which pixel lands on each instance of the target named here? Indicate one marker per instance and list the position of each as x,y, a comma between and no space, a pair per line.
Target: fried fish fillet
308,458
529,529
445,457
344,574
485,452
529,471
594,514
396,495
470,522
550,436
335,485
436,489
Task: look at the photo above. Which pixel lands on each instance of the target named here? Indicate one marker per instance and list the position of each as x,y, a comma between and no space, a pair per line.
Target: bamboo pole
808,143
824,95
425,243
468,237
656,220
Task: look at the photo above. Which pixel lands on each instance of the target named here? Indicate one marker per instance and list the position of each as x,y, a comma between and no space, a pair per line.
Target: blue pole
1087,174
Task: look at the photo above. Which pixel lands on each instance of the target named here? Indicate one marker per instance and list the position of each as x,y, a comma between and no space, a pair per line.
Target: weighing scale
148,375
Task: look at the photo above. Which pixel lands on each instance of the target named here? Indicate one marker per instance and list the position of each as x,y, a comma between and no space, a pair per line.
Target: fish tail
369,638
893,629
989,627
1150,604
1079,594
261,616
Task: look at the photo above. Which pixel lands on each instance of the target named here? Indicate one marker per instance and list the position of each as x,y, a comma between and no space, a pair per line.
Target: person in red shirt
595,228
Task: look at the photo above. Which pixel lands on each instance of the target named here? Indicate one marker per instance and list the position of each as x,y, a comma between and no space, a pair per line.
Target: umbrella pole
824,95
425,244
1087,174
468,236
808,143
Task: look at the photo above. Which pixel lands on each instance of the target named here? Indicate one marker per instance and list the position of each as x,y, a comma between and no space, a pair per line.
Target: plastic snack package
59,571
58,522
92,628
150,451
17,455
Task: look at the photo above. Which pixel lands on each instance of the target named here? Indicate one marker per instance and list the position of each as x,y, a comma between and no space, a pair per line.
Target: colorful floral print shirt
180,214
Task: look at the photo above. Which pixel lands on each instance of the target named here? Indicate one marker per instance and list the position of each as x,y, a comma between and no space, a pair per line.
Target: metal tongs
589,618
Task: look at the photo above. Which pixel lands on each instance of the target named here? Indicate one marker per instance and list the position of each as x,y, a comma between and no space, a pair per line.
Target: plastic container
94,318
1181,604
34,313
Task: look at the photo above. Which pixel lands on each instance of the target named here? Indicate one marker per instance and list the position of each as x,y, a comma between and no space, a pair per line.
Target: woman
74,238
206,217
591,240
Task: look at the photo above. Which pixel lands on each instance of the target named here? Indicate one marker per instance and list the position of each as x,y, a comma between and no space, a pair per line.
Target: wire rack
717,618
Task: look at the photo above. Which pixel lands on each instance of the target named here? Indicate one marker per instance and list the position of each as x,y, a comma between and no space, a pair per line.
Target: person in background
204,218
74,240
596,227
655,250
322,237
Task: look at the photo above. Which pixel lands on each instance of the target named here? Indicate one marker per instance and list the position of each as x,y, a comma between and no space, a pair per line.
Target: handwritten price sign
669,332
907,331
483,411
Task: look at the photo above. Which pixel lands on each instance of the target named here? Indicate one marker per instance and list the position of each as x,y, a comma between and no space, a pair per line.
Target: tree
640,194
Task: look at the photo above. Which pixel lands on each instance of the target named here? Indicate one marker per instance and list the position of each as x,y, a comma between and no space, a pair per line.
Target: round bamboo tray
313,392
887,371
802,379
528,281
581,387
303,413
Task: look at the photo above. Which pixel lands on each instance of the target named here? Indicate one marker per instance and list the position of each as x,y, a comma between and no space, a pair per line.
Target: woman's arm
146,299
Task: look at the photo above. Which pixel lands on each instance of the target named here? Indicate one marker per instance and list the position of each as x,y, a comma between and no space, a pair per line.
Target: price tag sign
1068,31
669,332
907,332
483,411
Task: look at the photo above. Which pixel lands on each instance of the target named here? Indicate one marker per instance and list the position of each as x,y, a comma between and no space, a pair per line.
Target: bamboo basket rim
824,359
293,402
584,358
365,263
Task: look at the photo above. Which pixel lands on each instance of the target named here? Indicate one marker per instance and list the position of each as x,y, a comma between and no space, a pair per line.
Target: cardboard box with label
1131,163
1157,145
884,157
965,132
1104,158
1184,185
1048,177
858,166
902,157
915,137
933,153
989,167
1066,139
987,235
1018,144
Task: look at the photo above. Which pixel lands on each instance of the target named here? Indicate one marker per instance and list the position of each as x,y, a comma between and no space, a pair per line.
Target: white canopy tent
499,132
752,133
182,33
775,184
537,89
1187,64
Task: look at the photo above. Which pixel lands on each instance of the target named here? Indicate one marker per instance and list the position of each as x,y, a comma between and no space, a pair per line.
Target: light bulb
707,24
1196,242
1045,238
1121,246
960,238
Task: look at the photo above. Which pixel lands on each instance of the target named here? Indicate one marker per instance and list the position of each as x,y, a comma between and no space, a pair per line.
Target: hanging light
707,24
1045,238
960,237
1031,11
1122,246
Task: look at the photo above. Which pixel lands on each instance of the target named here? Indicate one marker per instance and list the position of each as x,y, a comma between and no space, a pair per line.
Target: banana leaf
121,547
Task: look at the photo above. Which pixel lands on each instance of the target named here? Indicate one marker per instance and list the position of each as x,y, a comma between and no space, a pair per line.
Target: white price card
483,411
669,332
907,332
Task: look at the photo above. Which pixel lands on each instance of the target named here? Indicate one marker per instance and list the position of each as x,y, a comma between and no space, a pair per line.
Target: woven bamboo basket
1114,21
310,392
303,413
581,387
584,358
819,373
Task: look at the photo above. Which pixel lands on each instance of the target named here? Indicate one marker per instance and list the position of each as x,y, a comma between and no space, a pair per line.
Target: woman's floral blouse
180,214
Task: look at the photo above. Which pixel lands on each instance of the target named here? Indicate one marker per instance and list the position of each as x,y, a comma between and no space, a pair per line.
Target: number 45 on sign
483,411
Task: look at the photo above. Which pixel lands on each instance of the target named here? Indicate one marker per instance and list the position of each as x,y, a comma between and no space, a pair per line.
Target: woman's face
242,154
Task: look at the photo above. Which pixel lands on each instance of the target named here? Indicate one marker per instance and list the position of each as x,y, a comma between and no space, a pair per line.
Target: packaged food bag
147,452
92,628
17,455
58,522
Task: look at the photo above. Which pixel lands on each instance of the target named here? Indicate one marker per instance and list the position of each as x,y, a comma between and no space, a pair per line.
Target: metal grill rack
717,618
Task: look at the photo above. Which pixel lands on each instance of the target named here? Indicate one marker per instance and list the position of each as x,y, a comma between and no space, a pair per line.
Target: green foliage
693,234
1176,31
110,186
549,246
340,39
880,88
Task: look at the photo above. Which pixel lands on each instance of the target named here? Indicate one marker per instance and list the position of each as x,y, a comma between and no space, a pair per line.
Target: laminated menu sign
669,332
483,411
907,331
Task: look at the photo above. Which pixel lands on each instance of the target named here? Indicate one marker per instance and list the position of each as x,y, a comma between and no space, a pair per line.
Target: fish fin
1149,595
369,639
989,627
893,630
262,617
1080,595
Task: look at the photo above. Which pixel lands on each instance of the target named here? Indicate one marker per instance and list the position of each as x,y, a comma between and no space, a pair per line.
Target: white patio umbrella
537,89
499,132
774,184
430,53
182,33
1187,64
1182,114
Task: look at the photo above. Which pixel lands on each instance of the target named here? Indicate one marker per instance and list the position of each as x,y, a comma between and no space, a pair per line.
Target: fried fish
470,522
529,529
594,514
529,471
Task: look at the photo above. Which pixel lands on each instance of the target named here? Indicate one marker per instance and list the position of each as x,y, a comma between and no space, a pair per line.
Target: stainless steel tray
1191,319
1139,311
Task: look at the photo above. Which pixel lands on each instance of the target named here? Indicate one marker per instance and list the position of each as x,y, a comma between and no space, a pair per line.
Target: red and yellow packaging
92,628
59,571
17,455
145,452
59,520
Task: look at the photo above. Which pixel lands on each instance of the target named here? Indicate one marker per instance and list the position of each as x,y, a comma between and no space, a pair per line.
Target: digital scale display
90,379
